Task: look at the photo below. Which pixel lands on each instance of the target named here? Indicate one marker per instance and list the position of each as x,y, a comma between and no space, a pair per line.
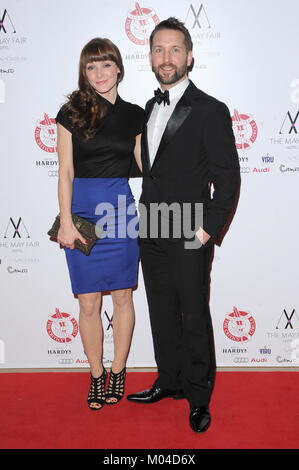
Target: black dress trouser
177,287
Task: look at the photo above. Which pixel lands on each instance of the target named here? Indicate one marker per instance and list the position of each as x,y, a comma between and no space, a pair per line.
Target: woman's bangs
96,54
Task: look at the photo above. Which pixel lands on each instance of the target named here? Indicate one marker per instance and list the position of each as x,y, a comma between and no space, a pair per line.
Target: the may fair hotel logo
288,139
285,134
205,35
139,23
12,43
288,130
108,345
285,335
287,127
16,236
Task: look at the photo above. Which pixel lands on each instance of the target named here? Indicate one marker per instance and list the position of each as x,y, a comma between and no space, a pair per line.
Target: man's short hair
175,24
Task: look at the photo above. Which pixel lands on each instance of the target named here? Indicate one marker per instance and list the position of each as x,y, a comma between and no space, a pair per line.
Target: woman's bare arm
67,233
137,151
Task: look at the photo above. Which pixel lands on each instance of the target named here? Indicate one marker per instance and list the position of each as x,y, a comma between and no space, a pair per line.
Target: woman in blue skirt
98,136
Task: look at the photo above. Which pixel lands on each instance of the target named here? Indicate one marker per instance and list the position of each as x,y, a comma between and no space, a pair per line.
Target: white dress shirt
160,116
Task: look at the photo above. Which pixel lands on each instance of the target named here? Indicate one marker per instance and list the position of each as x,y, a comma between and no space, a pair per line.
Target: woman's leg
91,330
123,325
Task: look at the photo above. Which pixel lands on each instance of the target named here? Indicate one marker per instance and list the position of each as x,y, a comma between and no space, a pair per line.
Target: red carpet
250,410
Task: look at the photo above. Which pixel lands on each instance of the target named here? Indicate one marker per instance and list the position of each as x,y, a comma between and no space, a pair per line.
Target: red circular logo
46,134
239,326
62,327
140,23
245,130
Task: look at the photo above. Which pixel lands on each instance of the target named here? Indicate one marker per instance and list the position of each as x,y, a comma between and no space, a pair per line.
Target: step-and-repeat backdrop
246,54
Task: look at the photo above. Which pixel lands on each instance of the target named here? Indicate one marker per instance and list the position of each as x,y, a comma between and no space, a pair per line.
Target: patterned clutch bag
88,230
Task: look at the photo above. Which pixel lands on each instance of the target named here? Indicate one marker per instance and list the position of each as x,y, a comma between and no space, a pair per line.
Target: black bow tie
159,96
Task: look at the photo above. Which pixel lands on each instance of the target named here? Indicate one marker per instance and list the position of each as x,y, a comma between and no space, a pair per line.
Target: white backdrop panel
245,55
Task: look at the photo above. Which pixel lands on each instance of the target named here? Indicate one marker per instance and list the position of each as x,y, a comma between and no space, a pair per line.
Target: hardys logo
46,134
245,130
139,24
239,326
62,327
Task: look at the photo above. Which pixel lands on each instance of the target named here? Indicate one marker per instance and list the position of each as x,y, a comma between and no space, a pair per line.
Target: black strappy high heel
97,391
116,386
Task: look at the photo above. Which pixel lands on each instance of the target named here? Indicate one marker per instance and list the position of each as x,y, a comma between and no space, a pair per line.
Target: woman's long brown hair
83,108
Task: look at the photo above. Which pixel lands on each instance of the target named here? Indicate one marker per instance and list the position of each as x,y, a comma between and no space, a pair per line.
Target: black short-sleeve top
109,154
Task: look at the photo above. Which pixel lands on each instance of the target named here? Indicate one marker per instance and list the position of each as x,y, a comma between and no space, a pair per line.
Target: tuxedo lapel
149,108
180,113
144,141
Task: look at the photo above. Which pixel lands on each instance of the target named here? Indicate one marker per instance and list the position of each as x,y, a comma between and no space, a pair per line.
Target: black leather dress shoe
200,418
154,394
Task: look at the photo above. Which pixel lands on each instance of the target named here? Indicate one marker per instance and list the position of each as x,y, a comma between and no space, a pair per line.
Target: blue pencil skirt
113,261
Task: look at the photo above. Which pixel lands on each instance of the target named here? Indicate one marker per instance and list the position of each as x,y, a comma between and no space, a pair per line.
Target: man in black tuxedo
187,145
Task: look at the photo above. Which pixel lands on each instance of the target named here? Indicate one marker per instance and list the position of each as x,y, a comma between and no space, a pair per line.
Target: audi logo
241,360
244,169
53,173
66,361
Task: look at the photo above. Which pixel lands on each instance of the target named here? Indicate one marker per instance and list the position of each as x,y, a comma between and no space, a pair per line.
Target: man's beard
174,77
